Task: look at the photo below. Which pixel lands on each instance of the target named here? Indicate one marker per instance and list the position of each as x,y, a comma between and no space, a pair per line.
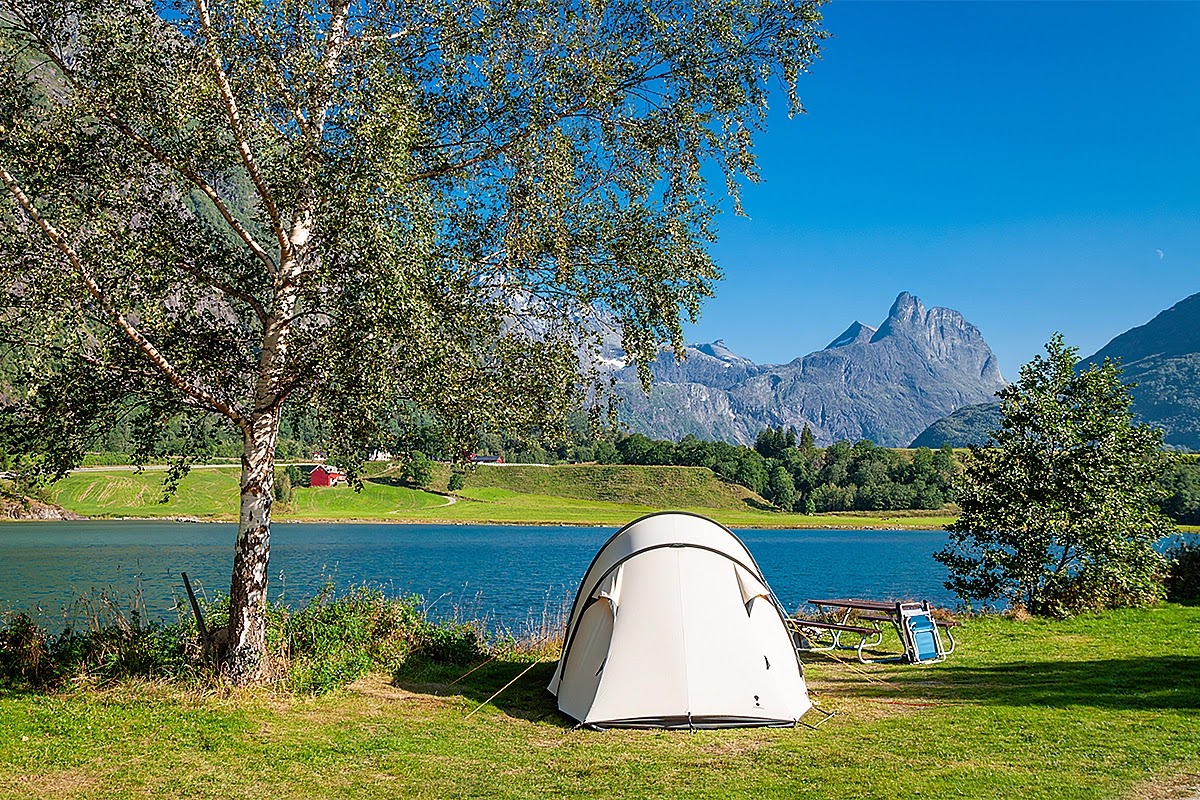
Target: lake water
508,575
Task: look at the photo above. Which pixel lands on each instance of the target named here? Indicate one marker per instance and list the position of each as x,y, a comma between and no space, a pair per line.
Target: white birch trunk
244,659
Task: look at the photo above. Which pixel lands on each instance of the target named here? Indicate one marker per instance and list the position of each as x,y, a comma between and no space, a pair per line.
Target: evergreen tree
808,442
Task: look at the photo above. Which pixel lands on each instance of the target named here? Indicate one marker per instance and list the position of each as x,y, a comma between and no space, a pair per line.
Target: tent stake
483,664
828,716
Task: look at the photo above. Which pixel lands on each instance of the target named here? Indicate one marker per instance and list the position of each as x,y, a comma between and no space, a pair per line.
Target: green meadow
568,494
1101,706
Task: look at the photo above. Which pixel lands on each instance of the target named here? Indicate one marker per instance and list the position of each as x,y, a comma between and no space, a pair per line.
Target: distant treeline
784,466
794,474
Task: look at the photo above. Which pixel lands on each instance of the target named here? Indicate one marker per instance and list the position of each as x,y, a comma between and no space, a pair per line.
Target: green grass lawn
569,494
203,493
214,493
1095,707
691,487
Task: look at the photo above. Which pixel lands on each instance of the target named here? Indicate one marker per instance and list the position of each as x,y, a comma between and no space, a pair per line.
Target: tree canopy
1062,512
359,210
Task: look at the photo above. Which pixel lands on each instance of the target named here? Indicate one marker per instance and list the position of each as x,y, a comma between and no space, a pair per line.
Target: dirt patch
1184,786
735,745
380,687
67,783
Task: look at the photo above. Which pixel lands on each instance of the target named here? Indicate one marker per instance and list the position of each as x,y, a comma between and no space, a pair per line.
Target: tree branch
260,310
84,357
235,125
137,337
47,49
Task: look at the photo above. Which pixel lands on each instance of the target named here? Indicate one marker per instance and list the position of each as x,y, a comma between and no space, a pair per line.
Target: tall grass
104,637
321,645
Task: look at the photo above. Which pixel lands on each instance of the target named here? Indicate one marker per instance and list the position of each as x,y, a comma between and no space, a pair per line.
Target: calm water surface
507,574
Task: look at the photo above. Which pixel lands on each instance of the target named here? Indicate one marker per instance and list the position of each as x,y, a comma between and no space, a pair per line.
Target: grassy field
652,486
1095,707
213,493
597,495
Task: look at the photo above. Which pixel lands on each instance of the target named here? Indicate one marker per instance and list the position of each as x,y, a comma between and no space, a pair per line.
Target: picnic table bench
872,635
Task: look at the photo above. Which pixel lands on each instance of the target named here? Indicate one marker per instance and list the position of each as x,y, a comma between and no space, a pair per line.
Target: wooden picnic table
853,604
877,611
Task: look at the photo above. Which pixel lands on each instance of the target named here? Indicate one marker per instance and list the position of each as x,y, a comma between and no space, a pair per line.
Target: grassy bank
570,494
1095,707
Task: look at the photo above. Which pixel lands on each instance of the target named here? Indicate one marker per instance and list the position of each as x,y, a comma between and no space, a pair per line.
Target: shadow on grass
1129,684
758,505
526,699
388,480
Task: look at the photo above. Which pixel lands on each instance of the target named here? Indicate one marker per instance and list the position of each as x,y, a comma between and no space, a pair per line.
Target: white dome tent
674,627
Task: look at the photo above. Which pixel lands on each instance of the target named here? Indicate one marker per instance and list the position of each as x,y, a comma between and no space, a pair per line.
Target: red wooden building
326,476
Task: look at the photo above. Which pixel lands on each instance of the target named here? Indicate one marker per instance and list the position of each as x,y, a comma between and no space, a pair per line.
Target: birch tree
356,207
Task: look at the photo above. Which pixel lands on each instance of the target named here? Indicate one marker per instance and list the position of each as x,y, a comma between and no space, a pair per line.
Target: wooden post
204,640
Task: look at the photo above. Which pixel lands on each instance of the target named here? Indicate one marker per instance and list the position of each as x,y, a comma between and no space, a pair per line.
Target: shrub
1183,572
112,644
284,488
333,640
450,643
25,655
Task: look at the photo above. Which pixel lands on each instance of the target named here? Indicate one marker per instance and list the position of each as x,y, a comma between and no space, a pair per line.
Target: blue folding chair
919,633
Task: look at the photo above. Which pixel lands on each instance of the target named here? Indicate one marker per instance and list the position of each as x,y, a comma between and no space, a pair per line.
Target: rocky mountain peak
886,385
908,307
857,333
940,331
721,352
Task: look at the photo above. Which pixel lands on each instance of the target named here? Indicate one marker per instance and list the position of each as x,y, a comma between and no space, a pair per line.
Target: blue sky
1019,162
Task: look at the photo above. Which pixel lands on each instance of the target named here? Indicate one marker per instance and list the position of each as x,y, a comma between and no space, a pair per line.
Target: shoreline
229,520
847,525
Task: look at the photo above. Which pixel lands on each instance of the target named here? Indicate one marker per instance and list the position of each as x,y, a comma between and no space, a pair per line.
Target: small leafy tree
781,489
418,470
1061,513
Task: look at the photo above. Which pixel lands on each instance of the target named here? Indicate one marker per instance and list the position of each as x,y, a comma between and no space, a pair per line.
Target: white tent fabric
674,627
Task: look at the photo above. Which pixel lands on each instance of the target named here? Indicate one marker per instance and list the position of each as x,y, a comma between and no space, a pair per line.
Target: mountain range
1161,357
885,383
